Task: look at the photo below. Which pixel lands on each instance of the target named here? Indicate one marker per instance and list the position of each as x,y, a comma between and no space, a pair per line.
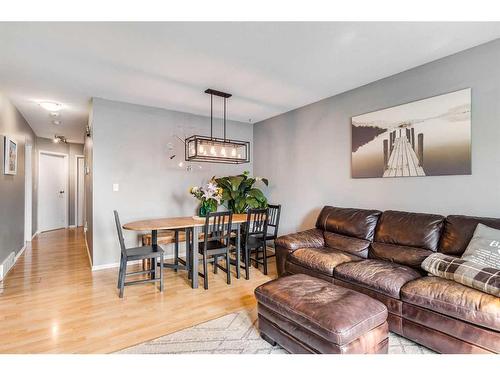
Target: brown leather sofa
380,253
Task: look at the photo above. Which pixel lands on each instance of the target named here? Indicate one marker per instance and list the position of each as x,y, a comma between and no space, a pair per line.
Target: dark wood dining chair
254,238
273,222
138,253
216,243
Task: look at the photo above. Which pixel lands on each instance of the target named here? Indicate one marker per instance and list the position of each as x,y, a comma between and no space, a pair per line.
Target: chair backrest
119,230
274,218
218,227
256,224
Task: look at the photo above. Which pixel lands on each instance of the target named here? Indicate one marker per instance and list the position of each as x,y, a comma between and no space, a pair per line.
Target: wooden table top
175,223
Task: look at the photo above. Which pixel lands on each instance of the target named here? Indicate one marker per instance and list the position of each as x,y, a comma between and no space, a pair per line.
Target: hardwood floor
51,302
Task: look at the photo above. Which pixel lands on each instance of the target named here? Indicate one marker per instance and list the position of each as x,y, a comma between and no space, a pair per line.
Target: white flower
211,186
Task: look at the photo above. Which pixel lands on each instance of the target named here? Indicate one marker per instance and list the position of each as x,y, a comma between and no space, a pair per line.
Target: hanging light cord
211,115
224,119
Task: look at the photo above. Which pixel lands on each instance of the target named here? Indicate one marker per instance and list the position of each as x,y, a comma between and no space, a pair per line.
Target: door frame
28,192
66,188
76,186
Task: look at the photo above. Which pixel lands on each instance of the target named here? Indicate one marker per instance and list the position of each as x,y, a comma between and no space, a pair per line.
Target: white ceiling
270,68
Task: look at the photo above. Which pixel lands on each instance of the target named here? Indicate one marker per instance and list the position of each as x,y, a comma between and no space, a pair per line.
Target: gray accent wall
306,153
72,150
132,146
13,124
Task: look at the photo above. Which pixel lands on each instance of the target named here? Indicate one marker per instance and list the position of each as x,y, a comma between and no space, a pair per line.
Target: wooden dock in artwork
402,159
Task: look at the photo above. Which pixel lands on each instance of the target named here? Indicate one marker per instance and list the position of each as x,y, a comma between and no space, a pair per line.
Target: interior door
52,194
80,193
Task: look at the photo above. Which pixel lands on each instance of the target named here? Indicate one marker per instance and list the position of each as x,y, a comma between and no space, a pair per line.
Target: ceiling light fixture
212,149
60,139
56,122
54,114
50,106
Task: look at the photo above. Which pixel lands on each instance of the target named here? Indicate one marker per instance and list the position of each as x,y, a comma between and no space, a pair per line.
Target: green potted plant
238,193
209,195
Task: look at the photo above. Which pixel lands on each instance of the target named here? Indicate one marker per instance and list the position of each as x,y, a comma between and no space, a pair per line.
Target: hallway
51,302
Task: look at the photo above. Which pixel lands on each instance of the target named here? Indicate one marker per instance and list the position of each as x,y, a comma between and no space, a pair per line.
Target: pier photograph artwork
428,137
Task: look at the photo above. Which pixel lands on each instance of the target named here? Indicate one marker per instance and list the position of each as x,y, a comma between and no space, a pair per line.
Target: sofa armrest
307,238
289,243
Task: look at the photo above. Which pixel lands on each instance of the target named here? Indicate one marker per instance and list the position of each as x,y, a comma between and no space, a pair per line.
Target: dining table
190,224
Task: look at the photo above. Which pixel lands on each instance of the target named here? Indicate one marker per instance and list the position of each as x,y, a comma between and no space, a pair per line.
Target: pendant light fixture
216,150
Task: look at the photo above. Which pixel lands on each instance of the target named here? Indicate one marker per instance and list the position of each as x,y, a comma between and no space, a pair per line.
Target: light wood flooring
51,301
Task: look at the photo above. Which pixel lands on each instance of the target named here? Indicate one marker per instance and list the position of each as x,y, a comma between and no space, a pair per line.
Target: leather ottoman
304,314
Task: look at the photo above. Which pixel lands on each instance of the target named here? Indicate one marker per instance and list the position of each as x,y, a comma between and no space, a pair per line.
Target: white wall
306,153
130,147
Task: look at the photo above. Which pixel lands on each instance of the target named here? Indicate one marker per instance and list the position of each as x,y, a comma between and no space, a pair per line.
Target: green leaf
246,185
252,202
226,194
257,194
240,205
235,182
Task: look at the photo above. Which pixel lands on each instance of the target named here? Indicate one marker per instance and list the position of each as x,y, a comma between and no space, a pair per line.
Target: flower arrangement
210,196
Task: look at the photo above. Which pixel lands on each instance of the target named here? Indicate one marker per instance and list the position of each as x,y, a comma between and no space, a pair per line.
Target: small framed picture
10,156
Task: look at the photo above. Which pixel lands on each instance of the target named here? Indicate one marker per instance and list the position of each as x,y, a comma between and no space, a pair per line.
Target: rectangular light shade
200,148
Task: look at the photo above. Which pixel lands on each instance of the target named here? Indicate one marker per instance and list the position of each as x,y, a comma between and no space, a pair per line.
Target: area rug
236,333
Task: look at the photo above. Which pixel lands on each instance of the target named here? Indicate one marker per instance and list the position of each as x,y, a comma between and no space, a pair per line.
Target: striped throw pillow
477,276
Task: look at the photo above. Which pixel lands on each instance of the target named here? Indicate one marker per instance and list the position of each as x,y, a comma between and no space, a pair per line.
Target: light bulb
223,151
212,150
181,164
239,156
201,149
233,152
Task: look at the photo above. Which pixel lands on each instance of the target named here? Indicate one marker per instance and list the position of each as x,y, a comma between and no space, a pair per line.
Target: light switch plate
116,187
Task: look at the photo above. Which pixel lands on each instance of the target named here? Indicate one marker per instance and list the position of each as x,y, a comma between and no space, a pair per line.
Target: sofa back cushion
348,244
458,231
406,237
351,222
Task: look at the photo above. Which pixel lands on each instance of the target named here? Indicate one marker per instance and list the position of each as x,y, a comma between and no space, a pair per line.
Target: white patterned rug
236,333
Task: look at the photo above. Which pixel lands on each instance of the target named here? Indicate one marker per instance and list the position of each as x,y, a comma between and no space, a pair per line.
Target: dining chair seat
143,252
211,245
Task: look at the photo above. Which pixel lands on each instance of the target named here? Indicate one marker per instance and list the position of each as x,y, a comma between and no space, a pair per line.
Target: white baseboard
88,251
72,226
117,264
34,235
112,265
4,272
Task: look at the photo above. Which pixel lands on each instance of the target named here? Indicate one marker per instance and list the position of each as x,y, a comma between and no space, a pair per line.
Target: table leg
238,250
154,244
188,251
194,260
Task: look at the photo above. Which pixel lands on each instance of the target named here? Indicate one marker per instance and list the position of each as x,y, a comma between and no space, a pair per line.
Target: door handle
61,192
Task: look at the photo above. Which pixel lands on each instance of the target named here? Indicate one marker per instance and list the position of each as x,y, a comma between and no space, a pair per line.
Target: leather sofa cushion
351,245
335,313
409,229
383,277
453,299
458,231
348,221
307,238
406,255
322,259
